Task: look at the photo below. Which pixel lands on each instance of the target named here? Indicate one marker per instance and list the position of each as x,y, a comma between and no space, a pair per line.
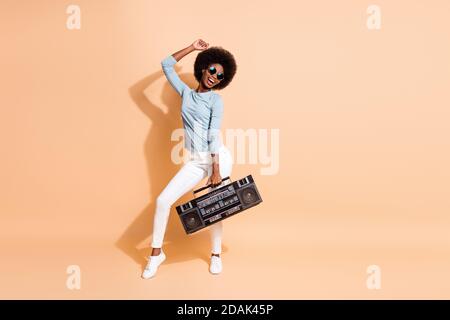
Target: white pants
191,173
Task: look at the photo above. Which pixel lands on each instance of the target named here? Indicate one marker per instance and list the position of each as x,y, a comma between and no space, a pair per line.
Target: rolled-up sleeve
171,75
215,124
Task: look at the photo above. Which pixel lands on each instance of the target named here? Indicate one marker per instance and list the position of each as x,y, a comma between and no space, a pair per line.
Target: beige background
85,124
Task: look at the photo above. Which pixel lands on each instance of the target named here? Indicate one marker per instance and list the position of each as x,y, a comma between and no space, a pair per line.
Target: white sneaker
153,264
216,265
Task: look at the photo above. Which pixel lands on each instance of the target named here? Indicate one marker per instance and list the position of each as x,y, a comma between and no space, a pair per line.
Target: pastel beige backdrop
85,124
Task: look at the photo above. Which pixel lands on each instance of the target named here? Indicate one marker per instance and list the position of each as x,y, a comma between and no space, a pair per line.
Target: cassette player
222,202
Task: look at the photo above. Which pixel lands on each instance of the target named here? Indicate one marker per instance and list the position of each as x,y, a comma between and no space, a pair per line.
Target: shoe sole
214,273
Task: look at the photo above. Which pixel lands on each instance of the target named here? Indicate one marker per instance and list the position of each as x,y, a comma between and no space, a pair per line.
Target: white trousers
198,166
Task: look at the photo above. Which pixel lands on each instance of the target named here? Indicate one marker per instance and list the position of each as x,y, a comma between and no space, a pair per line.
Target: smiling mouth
210,81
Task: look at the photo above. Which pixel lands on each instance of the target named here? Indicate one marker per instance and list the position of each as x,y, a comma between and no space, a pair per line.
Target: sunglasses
212,70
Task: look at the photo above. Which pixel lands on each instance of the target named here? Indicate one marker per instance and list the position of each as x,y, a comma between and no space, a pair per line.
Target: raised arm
168,63
171,75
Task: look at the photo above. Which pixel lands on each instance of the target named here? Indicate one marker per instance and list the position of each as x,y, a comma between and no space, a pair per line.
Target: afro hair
216,55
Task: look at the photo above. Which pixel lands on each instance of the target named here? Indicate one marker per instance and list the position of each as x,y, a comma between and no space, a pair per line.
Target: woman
201,112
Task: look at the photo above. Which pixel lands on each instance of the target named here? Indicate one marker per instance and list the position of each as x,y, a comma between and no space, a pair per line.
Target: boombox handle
205,187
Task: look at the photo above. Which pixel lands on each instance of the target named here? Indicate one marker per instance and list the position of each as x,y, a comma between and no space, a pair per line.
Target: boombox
220,203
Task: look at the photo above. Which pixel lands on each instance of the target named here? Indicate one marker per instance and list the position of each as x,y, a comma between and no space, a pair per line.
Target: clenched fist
201,45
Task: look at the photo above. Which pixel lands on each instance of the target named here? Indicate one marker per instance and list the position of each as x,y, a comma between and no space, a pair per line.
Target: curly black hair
216,55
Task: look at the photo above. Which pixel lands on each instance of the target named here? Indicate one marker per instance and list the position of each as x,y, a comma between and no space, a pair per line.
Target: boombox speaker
220,203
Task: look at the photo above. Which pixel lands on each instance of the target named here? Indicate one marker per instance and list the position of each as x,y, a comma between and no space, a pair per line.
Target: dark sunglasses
213,70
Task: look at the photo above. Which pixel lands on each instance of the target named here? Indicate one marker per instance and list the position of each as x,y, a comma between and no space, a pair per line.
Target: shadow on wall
157,149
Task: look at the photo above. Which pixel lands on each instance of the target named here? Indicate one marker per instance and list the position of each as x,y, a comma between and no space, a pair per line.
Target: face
212,74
